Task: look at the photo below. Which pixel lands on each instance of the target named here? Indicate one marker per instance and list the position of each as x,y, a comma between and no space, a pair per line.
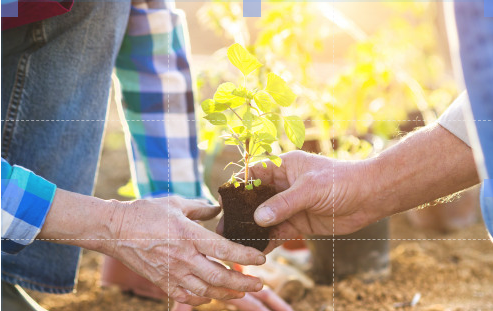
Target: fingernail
260,260
264,214
259,287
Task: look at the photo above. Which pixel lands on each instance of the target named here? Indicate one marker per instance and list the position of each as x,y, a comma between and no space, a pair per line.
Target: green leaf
257,182
264,164
266,147
248,119
236,184
276,160
249,187
295,130
264,101
216,118
242,59
210,106
231,141
269,127
224,95
242,92
127,190
238,129
279,90
266,138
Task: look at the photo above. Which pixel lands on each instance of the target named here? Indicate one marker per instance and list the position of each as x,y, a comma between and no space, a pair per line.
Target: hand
157,240
265,300
317,195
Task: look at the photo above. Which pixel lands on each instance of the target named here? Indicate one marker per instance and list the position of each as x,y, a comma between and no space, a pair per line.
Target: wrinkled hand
317,195
265,300
158,239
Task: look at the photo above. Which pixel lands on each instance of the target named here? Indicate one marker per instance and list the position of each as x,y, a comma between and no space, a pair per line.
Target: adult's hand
265,300
309,201
158,239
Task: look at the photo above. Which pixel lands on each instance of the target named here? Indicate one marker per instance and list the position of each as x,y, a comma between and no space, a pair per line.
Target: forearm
426,165
80,220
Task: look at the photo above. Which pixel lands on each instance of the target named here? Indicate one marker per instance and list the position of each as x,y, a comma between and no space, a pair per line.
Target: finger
202,289
181,307
248,303
181,295
219,276
220,226
282,206
199,210
272,300
280,234
214,245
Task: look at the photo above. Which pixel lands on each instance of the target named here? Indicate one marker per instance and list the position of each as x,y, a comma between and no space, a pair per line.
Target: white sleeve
453,118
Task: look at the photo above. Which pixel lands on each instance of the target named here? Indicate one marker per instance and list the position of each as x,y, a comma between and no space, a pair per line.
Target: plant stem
236,114
247,159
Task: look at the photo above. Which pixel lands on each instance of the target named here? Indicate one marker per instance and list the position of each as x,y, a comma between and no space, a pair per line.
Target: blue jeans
58,69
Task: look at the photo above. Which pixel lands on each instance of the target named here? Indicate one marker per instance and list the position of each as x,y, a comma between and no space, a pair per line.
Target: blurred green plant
385,78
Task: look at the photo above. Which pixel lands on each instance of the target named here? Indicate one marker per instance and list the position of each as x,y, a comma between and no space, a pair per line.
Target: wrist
377,196
81,220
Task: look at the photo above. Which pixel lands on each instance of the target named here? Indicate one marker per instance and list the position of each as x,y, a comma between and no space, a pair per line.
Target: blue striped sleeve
26,200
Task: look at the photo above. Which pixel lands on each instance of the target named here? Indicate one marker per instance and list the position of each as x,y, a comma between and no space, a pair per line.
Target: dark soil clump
239,206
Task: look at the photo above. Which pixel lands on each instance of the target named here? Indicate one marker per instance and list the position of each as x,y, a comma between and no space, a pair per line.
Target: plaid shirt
156,82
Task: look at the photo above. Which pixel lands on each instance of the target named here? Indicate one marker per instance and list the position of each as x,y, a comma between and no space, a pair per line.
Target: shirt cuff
26,200
453,118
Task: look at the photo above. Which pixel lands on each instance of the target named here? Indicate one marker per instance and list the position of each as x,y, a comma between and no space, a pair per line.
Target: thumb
200,210
281,206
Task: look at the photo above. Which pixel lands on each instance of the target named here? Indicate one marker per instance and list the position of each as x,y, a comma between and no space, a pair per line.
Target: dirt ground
451,271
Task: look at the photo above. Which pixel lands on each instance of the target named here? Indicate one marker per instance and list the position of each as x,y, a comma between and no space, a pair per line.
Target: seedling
249,116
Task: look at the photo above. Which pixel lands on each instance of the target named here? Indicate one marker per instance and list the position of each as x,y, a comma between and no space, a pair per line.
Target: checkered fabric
26,200
156,82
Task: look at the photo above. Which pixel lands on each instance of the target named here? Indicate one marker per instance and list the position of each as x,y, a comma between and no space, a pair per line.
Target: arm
426,165
157,239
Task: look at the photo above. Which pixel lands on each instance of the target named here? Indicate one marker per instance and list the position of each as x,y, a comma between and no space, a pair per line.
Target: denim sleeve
154,73
26,200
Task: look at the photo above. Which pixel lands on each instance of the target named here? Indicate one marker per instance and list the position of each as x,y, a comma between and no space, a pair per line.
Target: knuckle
201,290
221,250
216,278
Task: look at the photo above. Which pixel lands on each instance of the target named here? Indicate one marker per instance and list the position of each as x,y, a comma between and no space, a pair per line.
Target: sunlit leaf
242,59
231,141
266,147
257,182
276,160
127,190
216,118
238,129
279,90
210,106
295,130
269,127
264,164
266,138
264,101
242,92
249,187
248,119
224,95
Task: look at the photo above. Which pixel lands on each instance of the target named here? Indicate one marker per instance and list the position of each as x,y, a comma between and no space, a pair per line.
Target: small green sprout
248,116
